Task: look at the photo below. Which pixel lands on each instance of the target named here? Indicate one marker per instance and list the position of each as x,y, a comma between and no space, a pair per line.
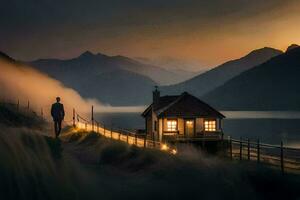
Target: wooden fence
286,158
130,137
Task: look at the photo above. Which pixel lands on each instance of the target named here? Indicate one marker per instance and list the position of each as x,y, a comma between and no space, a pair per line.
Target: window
210,125
171,125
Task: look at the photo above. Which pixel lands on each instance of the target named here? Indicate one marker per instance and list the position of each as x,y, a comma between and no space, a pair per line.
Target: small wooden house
181,118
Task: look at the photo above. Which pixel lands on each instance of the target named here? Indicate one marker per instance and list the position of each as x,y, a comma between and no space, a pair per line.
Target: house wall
199,125
180,123
160,130
155,130
218,124
148,121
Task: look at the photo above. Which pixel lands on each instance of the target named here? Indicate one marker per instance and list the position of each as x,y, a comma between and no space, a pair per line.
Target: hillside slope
273,85
121,88
211,79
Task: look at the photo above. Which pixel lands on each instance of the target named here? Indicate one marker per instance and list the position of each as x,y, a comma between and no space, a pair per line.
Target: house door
189,128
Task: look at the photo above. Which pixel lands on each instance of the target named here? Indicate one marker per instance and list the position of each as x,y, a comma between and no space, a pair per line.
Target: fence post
18,104
258,151
92,118
74,125
248,148
230,147
241,149
119,135
281,157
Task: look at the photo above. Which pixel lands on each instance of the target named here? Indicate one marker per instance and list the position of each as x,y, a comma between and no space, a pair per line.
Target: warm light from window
189,122
210,125
171,125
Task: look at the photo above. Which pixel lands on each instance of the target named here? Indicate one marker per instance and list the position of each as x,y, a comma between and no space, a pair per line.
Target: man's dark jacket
57,111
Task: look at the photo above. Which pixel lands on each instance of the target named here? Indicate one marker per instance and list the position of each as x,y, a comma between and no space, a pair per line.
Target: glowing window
171,125
210,125
189,123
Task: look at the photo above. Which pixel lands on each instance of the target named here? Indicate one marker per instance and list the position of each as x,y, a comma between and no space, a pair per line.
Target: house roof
184,105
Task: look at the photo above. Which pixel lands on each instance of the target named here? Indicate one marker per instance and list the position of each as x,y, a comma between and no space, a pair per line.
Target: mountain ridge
101,61
207,81
273,85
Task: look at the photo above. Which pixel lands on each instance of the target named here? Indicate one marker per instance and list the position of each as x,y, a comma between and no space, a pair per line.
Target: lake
268,126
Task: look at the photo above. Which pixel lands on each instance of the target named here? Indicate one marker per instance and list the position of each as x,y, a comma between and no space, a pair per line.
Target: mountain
292,46
99,63
112,80
120,88
184,70
215,77
6,57
273,85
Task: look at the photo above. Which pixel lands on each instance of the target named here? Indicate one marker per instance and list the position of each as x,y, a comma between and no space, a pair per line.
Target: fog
24,83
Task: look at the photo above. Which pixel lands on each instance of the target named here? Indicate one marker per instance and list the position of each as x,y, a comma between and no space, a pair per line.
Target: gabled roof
163,102
184,105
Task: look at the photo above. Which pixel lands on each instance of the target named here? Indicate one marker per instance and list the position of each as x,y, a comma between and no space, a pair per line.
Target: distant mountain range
100,63
265,79
185,69
217,76
115,80
273,85
112,80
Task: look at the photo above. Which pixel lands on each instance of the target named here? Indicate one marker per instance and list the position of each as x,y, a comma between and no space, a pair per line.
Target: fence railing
286,158
130,137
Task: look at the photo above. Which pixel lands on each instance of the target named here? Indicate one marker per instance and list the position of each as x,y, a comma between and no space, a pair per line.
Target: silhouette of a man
58,114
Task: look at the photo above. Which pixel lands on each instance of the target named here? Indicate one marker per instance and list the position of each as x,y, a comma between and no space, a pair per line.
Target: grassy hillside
12,117
128,172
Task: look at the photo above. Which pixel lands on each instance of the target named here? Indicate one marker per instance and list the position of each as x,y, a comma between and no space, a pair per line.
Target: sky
198,31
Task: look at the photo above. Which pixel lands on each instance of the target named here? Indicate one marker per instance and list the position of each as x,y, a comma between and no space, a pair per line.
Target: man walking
58,114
